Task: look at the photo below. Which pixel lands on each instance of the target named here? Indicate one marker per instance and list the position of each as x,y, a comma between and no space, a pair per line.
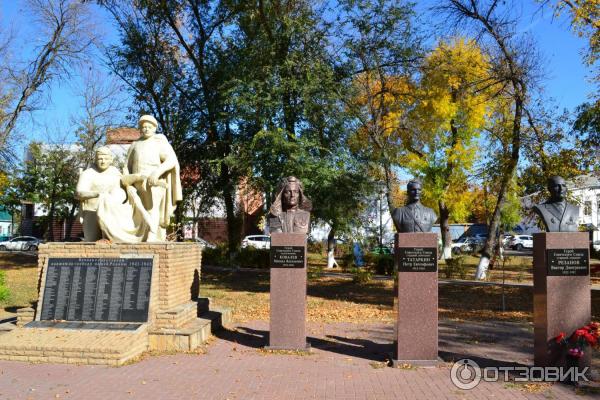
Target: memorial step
73,346
191,335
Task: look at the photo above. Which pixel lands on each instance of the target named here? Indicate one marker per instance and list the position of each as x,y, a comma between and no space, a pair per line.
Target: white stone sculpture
102,180
152,190
151,178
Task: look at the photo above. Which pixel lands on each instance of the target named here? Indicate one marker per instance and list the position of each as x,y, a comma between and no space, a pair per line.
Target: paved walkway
348,362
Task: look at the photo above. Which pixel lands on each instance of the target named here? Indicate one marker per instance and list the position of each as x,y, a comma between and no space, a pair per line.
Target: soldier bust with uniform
557,214
414,216
290,211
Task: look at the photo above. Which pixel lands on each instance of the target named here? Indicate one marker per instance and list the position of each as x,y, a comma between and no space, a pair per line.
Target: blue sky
566,75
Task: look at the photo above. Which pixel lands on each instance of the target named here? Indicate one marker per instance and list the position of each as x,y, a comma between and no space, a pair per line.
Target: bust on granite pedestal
416,291
557,214
288,223
290,211
414,216
561,278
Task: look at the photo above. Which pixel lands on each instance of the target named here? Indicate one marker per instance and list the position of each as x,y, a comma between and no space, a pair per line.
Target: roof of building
584,181
122,135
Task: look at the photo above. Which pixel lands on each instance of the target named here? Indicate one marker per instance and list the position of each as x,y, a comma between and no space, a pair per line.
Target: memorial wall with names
97,289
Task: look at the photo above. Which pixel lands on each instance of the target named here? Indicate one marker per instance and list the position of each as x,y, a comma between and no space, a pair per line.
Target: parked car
479,237
21,243
596,245
464,244
520,242
257,241
506,241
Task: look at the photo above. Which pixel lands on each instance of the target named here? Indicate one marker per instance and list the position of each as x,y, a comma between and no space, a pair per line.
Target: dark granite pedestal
561,293
416,300
288,292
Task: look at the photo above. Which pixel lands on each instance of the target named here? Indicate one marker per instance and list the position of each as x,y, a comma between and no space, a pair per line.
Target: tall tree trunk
509,172
233,236
49,223
445,230
70,220
331,248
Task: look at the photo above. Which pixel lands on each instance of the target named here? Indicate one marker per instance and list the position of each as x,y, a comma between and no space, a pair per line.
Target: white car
257,241
520,242
463,245
21,243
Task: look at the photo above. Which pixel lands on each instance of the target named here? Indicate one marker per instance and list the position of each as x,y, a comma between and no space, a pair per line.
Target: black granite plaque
287,256
107,326
417,259
97,289
568,262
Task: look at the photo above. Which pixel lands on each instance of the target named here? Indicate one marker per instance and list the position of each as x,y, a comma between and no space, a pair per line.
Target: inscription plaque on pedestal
97,289
567,262
417,259
287,256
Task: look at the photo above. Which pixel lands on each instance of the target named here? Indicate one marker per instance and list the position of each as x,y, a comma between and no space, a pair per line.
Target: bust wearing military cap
414,216
290,211
557,214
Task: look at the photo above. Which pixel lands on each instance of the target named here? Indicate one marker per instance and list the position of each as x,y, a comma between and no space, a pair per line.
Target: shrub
253,258
346,261
456,267
384,264
360,275
316,247
217,256
4,292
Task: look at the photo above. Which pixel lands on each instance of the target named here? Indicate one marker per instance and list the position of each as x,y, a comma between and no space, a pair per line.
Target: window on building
587,208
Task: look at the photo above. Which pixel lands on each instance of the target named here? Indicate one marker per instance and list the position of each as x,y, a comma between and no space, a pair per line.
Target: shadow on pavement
352,347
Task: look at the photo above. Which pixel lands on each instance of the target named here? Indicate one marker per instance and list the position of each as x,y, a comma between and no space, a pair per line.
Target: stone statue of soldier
556,213
290,211
414,216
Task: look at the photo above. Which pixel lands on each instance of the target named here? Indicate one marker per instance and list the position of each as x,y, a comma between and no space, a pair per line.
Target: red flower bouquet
586,336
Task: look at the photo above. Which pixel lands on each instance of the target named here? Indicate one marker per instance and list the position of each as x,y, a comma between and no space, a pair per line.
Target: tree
381,47
585,21
101,104
49,178
453,101
67,36
513,67
175,76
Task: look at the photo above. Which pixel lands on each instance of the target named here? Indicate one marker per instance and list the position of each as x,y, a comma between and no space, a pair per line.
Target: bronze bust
557,214
414,216
290,211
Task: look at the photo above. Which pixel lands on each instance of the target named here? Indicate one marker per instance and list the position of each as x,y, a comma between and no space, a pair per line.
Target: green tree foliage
49,178
251,89
4,291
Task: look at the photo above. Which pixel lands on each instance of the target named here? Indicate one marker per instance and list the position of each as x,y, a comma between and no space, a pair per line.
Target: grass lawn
330,299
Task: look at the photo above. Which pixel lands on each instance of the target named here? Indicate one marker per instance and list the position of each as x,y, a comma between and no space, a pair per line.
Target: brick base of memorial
561,294
107,303
416,299
288,292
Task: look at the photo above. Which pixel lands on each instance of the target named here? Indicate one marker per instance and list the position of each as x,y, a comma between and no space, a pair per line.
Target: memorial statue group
137,204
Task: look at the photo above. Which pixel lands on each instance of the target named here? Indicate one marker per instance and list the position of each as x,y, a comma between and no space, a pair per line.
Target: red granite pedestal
288,292
561,300
416,299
